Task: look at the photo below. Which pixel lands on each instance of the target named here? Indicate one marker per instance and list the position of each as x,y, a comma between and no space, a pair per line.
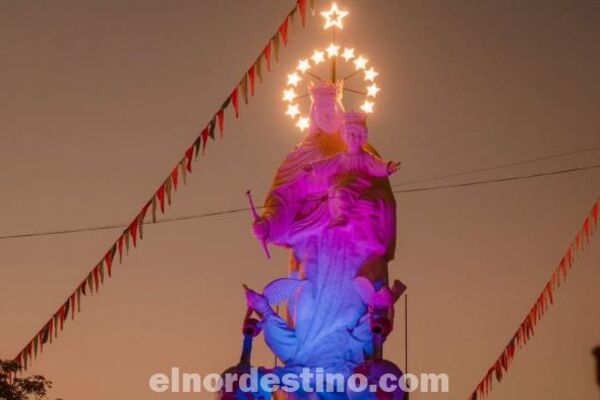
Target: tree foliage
12,387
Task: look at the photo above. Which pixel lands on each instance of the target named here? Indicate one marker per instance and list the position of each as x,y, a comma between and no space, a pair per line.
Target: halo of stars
302,73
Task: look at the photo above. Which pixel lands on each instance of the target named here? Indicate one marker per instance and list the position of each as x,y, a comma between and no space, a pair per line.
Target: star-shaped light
318,57
293,79
302,123
370,74
333,50
303,65
334,17
292,110
367,106
372,90
289,95
348,54
360,63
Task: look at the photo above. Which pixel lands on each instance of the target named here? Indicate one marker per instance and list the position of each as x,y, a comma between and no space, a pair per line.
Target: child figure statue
351,166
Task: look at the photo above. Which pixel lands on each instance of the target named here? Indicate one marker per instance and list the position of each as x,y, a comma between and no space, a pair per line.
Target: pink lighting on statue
332,206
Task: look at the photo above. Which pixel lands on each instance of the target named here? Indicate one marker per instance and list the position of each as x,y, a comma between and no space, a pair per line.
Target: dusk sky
99,100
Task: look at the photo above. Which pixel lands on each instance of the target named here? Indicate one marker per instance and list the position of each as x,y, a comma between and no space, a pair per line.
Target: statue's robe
327,327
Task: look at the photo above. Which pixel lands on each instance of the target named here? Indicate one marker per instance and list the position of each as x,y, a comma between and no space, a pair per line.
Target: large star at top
334,17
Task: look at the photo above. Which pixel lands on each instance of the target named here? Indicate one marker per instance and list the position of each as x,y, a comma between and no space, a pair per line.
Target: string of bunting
163,196
526,329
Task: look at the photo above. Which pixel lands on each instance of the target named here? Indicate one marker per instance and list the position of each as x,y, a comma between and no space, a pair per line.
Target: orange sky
100,98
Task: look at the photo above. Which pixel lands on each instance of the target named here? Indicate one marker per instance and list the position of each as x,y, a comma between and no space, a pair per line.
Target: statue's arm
380,167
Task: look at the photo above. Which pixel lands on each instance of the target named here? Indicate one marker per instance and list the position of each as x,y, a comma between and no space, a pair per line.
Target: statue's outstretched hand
393,167
260,228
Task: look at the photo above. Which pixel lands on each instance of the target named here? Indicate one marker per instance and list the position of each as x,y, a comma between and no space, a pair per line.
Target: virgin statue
331,205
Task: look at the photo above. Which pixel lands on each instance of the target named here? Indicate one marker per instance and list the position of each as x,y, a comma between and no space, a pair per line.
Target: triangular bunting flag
189,154
275,40
302,9
283,30
221,121
175,176
244,88
211,127
235,101
252,78
160,194
258,67
133,229
204,136
267,54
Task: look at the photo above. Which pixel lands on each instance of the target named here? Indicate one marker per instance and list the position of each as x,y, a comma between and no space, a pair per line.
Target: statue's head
326,106
354,130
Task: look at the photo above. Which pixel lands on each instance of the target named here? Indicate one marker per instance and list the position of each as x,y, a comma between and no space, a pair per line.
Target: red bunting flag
302,8
252,78
141,217
175,176
204,136
160,194
235,101
189,154
108,258
267,54
221,121
133,228
283,30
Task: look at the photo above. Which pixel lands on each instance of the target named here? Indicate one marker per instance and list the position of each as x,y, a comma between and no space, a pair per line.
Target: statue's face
327,115
354,136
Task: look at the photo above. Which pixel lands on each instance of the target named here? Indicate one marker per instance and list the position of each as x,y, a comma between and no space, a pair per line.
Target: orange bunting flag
302,8
267,54
283,30
258,67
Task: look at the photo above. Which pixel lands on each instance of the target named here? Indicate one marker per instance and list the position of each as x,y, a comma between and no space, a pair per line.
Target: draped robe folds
327,326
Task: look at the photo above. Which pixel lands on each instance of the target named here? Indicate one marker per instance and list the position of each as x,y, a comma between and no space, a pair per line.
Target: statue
332,206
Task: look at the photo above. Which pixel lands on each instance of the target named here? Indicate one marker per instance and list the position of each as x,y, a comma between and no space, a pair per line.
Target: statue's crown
326,90
355,118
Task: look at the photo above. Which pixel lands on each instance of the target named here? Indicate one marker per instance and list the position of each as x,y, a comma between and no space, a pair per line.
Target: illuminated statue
346,182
